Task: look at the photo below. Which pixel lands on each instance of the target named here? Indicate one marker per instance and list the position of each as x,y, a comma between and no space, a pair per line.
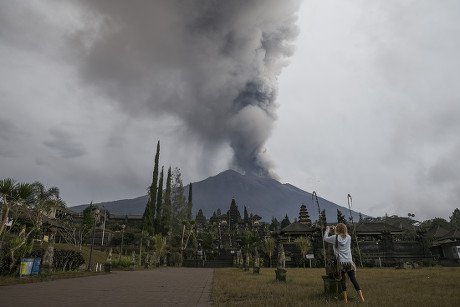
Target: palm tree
46,199
268,247
304,245
13,195
40,202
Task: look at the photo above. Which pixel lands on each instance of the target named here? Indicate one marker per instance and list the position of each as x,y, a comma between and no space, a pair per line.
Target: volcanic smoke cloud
211,64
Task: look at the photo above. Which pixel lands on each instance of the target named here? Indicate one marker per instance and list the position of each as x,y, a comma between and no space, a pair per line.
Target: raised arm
327,238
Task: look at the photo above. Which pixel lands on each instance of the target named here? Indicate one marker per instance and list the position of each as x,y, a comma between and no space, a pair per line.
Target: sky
338,97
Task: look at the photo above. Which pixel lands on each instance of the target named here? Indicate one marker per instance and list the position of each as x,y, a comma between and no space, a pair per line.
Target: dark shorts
347,267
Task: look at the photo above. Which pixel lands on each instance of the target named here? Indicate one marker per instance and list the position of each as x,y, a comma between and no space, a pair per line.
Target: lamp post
96,213
121,246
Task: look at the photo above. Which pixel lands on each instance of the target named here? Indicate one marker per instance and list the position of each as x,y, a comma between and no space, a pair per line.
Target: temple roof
403,224
297,227
376,228
453,235
437,232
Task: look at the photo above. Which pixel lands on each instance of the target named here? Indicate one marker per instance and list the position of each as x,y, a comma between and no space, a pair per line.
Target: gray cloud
10,132
63,142
369,105
212,64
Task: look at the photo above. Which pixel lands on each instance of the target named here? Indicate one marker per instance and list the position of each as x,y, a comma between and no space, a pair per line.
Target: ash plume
211,64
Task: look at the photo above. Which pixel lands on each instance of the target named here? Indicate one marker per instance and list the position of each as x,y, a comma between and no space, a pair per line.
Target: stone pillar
256,266
280,268
246,262
240,259
331,285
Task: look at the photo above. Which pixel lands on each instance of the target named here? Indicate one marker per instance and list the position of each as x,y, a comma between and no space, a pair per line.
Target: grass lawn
437,286
98,256
14,280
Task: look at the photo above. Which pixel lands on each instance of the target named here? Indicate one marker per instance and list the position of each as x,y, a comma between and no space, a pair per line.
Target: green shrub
125,262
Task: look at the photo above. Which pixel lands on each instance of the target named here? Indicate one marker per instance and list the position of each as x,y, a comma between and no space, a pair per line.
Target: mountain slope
263,196
135,206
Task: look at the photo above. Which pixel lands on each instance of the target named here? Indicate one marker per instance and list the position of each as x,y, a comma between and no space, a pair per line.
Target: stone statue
147,261
108,262
109,256
156,261
49,255
133,261
47,266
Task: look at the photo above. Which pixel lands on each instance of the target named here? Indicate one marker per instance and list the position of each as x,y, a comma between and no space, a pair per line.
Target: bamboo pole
350,200
313,195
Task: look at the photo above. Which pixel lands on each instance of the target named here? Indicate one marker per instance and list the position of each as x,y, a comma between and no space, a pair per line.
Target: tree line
169,215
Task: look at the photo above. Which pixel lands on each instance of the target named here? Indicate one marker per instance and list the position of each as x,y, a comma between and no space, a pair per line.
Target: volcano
262,196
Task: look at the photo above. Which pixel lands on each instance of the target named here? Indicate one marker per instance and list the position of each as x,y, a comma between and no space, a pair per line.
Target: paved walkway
156,287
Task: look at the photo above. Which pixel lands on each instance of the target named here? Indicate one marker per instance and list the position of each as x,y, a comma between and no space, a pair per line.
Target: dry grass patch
97,257
304,287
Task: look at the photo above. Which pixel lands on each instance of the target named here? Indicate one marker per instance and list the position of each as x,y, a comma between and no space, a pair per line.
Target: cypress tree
322,218
159,203
341,218
285,222
153,187
149,213
166,216
189,203
274,225
147,222
246,220
178,204
88,222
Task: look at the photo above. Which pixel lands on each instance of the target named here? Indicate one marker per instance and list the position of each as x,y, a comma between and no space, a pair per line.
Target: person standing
342,249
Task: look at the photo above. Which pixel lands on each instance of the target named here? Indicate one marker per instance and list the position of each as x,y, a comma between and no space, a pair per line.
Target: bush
175,259
5,265
67,259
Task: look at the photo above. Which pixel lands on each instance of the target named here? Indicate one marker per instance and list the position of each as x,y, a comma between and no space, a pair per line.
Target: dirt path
157,287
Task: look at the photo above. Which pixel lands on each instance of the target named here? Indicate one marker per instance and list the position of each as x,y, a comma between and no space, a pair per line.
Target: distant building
447,247
304,218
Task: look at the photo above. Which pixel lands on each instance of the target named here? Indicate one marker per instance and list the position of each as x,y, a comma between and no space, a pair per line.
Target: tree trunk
5,217
13,249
